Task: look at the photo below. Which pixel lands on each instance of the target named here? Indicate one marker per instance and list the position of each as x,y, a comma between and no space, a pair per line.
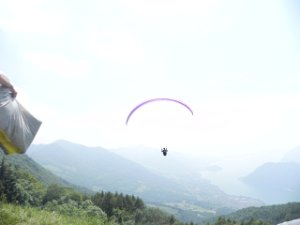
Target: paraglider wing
153,100
17,126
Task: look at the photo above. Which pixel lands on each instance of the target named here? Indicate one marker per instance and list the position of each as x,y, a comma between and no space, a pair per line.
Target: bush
72,208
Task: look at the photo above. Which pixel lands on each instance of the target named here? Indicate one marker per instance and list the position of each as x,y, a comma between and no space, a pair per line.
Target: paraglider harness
164,151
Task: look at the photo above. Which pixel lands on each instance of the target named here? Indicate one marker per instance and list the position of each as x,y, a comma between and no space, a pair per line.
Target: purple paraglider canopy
153,100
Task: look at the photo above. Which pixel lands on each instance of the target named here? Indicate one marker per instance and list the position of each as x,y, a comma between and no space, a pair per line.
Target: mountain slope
46,177
100,169
276,182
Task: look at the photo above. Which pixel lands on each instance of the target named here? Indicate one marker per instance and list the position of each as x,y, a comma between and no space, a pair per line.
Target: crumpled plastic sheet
17,126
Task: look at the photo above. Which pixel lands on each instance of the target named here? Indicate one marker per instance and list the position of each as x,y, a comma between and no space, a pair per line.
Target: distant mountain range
273,183
99,169
277,182
174,188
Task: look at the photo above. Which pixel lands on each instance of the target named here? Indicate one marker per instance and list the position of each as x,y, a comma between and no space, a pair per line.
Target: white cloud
185,16
32,16
115,47
58,64
172,8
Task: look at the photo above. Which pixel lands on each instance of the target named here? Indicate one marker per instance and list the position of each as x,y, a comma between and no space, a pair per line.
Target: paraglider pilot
164,151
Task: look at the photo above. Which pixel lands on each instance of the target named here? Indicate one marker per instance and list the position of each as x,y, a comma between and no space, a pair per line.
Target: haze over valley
175,182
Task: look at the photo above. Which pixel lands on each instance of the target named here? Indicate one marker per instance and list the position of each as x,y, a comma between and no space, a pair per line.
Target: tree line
21,188
272,214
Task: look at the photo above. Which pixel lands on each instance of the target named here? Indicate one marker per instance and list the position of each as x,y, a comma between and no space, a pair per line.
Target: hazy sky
81,66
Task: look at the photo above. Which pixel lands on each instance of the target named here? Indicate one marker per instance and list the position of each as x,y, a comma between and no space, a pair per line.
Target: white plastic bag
17,126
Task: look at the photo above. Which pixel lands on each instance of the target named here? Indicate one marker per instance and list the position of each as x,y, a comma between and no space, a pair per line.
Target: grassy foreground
18,215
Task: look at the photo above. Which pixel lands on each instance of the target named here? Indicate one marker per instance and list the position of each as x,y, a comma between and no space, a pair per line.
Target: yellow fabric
7,145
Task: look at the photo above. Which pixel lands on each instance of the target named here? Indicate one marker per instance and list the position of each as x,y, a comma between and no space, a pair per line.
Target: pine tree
120,201
172,220
107,204
2,189
8,182
139,204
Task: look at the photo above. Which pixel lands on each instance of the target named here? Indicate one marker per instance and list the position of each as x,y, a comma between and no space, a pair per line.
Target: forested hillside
24,197
25,163
273,214
265,215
